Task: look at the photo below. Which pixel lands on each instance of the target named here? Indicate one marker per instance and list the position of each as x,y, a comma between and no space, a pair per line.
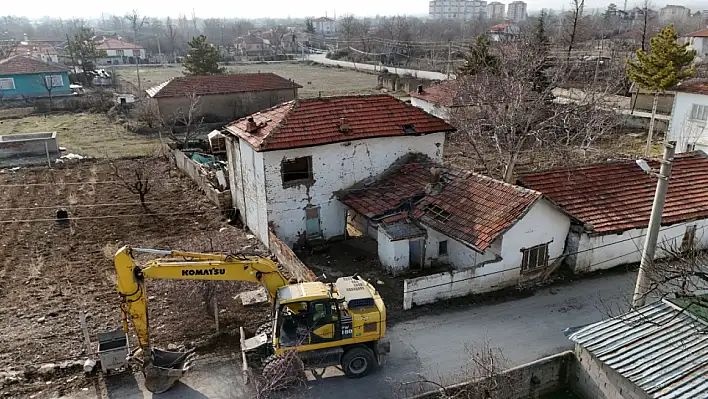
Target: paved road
436,345
322,59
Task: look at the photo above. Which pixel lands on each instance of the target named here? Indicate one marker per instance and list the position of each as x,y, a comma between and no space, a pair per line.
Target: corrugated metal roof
660,349
156,89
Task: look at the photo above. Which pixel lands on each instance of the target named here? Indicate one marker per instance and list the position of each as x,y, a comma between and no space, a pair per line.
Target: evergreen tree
203,58
479,59
309,26
542,44
84,52
665,66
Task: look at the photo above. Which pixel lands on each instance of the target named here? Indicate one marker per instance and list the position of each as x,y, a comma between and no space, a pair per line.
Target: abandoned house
221,97
614,217
438,99
423,214
288,161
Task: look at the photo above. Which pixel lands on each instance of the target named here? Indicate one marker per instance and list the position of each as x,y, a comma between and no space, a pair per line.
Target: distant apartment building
516,11
457,9
325,26
672,13
495,10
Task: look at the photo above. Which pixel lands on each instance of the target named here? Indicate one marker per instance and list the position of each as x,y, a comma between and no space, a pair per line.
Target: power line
100,217
90,205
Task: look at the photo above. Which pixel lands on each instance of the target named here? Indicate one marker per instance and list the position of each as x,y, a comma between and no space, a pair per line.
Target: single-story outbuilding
423,213
610,204
23,77
221,97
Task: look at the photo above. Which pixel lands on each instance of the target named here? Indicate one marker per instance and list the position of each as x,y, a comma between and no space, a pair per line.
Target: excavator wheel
283,372
358,362
266,327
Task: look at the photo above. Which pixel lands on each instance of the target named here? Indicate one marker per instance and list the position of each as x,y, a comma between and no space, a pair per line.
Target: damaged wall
541,224
393,255
221,198
334,167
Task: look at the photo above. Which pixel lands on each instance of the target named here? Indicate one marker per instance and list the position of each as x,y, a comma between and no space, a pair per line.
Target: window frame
295,182
699,113
690,147
443,244
11,80
533,253
50,80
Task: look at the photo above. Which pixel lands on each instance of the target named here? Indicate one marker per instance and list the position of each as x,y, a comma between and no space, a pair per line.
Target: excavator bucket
166,368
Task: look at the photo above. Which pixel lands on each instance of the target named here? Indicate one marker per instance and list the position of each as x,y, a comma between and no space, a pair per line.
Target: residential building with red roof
438,99
422,213
119,51
222,97
689,116
287,162
698,41
610,204
23,77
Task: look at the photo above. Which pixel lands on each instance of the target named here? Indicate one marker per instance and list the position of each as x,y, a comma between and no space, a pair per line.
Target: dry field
86,134
50,272
327,80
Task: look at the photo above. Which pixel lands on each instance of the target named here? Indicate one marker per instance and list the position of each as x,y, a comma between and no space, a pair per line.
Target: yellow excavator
313,324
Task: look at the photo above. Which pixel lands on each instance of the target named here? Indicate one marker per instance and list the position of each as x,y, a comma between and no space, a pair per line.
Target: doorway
312,223
415,252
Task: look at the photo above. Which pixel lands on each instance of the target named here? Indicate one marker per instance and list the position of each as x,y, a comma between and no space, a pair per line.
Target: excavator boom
163,368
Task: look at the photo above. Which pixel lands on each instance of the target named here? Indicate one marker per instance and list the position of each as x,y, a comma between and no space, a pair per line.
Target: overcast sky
255,9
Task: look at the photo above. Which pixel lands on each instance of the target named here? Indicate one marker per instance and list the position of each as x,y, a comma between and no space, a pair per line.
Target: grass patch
86,134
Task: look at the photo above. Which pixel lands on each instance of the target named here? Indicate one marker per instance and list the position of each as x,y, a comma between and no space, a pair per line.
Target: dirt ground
313,79
86,134
50,272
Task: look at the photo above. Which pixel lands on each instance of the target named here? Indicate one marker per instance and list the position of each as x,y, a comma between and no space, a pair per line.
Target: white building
286,163
698,41
689,116
119,51
423,214
674,13
516,11
438,99
611,219
495,10
457,9
325,26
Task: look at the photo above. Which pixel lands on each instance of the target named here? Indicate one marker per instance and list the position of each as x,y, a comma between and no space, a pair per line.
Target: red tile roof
221,84
695,86
618,196
442,94
21,64
465,206
111,43
499,27
700,33
316,121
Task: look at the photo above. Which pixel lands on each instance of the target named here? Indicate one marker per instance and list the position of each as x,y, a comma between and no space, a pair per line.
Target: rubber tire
358,353
266,327
268,360
273,369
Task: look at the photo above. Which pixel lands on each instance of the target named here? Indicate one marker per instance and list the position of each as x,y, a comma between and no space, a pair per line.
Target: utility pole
449,58
641,288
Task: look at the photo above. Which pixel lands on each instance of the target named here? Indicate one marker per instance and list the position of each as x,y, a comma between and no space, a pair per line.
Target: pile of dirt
53,269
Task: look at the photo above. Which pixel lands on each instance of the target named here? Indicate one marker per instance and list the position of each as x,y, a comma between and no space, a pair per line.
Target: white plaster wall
432,109
393,255
335,167
542,223
252,191
459,255
681,128
610,250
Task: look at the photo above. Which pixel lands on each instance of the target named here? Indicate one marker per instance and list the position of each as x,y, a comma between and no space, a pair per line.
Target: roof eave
265,149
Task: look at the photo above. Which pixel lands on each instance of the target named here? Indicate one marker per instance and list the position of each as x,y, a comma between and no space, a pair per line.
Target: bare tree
645,23
7,48
572,28
137,179
171,31
190,119
136,23
49,81
149,113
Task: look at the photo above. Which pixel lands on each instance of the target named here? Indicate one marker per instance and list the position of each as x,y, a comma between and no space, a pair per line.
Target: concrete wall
591,379
644,101
226,107
433,109
531,380
335,167
289,261
682,128
610,250
192,169
29,144
393,255
498,267
395,82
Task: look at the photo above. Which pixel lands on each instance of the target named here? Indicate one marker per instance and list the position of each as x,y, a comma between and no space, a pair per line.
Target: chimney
251,125
435,174
344,125
420,89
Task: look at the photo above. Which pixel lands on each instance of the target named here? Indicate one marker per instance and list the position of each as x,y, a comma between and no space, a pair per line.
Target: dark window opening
296,169
442,248
535,257
409,129
437,213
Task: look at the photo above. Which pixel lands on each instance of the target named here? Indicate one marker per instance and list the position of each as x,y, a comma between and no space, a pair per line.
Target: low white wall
393,255
432,109
610,250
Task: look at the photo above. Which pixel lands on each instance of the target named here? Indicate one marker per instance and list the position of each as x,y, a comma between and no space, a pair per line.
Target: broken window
296,170
442,248
409,129
437,213
535,257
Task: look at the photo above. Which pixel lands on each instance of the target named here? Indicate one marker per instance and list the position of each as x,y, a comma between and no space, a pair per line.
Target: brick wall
191,169
591,379
530,380
288,260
